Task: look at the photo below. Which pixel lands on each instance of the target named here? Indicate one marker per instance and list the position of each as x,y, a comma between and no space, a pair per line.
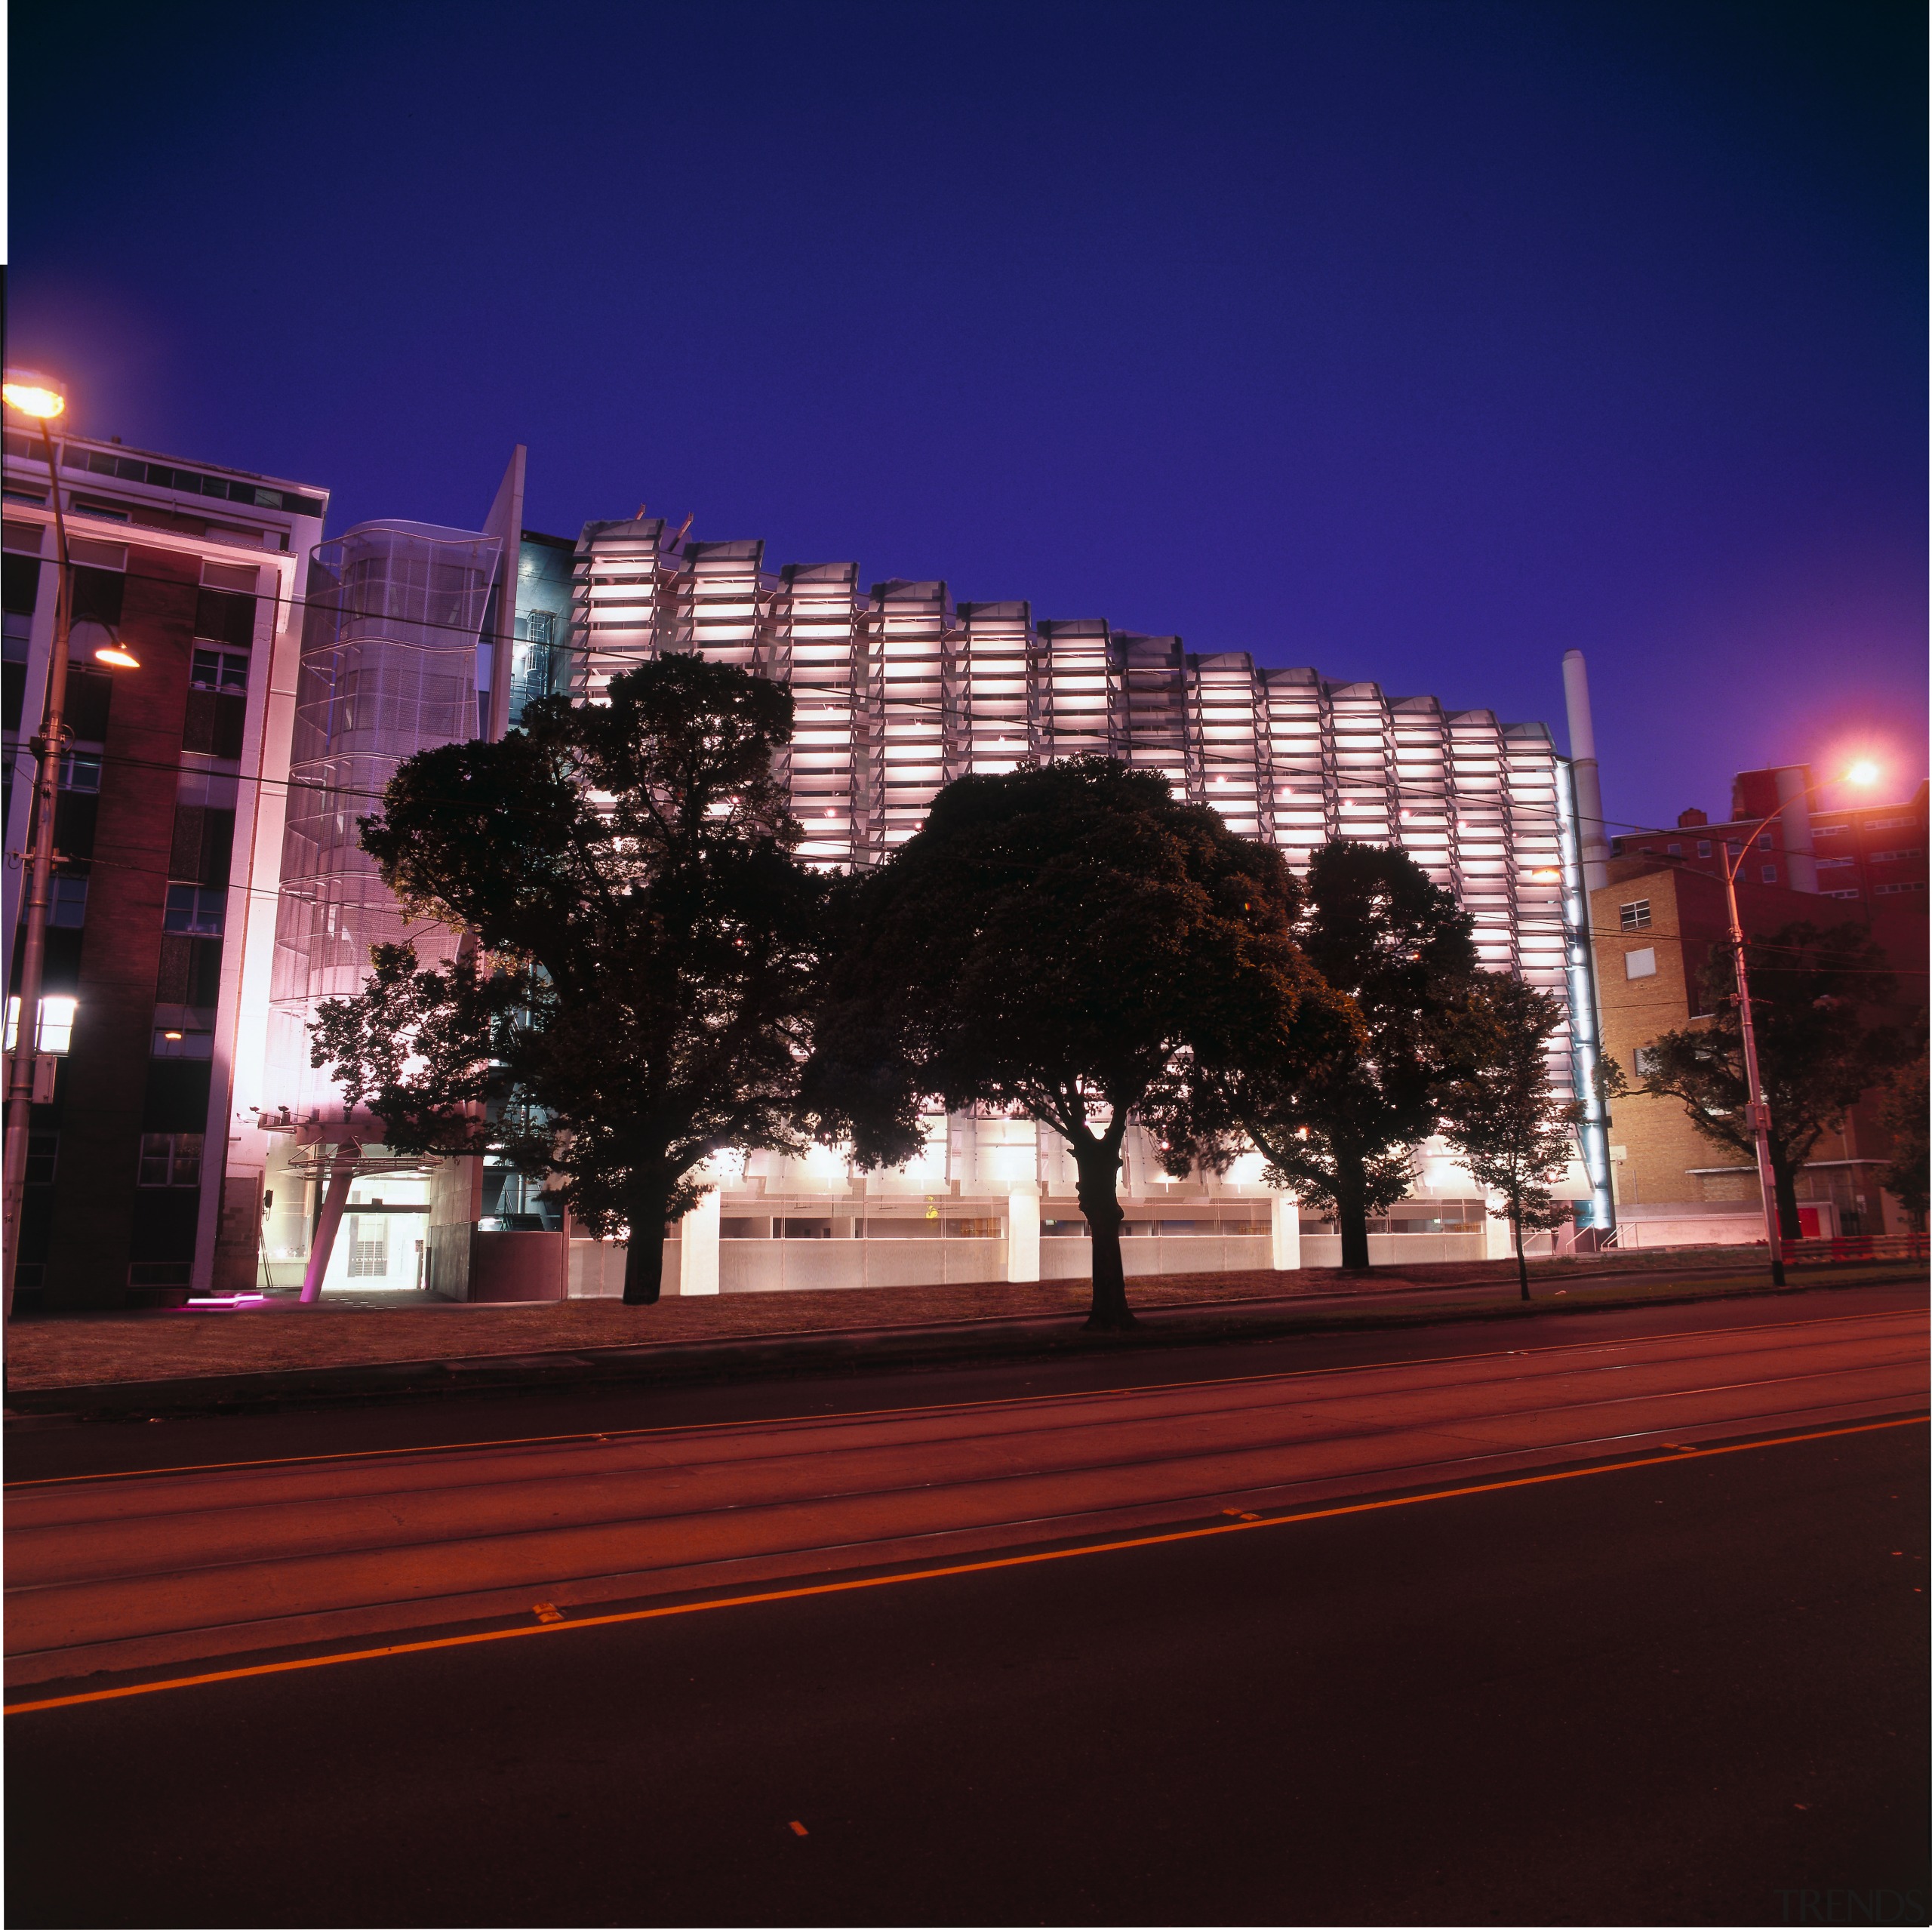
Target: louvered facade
899,691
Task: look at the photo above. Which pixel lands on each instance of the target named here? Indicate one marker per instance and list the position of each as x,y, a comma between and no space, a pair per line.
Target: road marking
1245,1526
952,1407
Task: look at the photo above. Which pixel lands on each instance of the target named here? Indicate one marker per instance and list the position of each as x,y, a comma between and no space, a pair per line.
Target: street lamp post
41,399
1757,1112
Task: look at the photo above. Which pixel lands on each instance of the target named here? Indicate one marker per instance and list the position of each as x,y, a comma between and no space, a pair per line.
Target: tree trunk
1099,1166
1784,1185
644,1260
1522,1265
1351,1212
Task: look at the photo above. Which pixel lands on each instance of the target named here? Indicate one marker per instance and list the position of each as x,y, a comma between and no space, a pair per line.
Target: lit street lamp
41,399
1757,1112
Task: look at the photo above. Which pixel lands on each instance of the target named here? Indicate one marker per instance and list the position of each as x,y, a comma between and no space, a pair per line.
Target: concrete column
697,1253
1498,1242
1286,1233
1022,1231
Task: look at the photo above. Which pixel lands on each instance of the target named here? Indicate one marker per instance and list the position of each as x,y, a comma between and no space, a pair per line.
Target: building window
1673,850
1733,848
1640,964
368,1246
70,908
1895,857
170,1159
1644,1061
43,1157
1769,872
1891,891
224,616
56,1023
1764,841
1703,848
1635,917
196,910
218,670
175,1041
80,771
1836,864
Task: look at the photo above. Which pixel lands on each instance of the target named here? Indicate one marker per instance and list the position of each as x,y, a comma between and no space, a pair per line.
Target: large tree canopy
1814,993
1063,942
1340,1127
637,993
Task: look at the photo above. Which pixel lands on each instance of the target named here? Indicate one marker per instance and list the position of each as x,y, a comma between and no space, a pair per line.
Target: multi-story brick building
168,830
1654,926
1872,855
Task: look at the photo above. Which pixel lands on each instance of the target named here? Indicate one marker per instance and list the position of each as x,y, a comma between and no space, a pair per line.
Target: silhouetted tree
1062,942
1516,1134
1339,1126
639,991
1812,992
1908,1173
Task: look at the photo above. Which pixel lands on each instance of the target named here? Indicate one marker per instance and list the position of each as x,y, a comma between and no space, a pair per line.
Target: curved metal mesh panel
395,617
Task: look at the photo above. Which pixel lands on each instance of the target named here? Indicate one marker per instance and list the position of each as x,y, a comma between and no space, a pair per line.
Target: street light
1757,1113
40,398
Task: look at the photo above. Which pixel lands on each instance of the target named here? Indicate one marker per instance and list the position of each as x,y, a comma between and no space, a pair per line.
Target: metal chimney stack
1592,842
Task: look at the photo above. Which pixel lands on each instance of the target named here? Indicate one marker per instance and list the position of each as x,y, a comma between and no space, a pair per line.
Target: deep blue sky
1419,341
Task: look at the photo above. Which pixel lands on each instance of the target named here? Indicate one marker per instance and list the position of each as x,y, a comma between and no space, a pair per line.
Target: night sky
1419,342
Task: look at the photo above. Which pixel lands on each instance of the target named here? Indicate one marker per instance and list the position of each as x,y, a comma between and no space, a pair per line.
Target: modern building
169,829
900,690
285,676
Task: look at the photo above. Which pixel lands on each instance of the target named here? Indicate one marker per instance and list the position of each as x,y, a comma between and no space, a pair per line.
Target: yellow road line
1680,1457
938,1407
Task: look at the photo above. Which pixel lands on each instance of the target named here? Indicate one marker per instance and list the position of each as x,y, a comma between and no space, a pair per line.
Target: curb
846,1350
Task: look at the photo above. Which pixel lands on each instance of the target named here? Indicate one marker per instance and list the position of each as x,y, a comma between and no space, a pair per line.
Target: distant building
169,832
1872,855
1654,925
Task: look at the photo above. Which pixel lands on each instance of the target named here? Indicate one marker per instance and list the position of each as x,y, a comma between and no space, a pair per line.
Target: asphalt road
1685,1692
127,1571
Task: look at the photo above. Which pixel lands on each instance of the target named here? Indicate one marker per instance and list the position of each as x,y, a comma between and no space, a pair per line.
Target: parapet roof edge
182,461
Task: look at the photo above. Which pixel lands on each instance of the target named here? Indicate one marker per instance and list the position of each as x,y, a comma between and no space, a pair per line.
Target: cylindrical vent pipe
1593,843
1794,810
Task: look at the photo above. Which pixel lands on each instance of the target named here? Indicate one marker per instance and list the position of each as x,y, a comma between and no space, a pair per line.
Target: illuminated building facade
899,692
144,1171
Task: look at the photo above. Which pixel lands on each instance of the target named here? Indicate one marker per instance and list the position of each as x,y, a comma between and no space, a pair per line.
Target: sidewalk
192,1357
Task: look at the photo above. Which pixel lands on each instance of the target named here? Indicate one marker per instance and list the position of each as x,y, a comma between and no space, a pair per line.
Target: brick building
1872,855
1654,926
168,831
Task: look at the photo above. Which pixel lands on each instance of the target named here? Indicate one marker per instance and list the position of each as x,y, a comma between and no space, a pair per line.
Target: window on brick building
70,908
1635,916
1644,1061
170,1159
1640,964
1769,872
199,909
218,670
1703,848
